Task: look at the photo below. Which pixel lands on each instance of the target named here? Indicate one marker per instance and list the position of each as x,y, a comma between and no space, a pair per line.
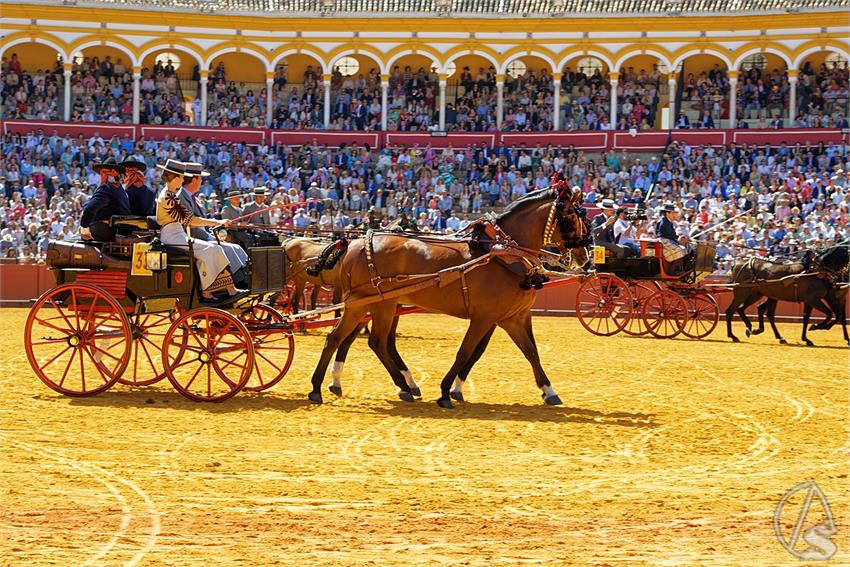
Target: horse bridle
554,220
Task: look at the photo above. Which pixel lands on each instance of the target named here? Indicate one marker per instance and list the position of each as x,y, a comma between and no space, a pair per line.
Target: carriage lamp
156,258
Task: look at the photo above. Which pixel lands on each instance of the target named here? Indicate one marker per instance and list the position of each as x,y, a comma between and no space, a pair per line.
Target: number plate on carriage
598,255
139,266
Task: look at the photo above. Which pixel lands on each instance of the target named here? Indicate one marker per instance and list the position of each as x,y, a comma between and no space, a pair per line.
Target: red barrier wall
645,141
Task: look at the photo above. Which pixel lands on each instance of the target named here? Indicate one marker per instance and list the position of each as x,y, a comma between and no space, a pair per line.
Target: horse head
571,216
836,259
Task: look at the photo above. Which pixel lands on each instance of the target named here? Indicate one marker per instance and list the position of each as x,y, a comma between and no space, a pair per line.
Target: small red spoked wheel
703,315
665,314
77,339
640,293
146,365
215,358
604,304
274,346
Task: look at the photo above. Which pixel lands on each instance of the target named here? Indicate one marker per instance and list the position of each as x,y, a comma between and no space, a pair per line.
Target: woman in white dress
174,218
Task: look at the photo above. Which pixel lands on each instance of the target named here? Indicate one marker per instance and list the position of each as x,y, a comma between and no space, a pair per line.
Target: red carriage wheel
146,367
640,292
274,348
703,315
283,301
665,314
604,304
77,338
208,355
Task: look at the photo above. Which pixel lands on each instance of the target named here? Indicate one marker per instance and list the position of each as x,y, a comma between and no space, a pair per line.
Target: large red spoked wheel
77,338
703,314
665,314
215,358
146,365
604,304
274,348
641,291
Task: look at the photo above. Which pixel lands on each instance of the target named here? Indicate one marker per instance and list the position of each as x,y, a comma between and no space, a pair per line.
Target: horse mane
535,197
835,258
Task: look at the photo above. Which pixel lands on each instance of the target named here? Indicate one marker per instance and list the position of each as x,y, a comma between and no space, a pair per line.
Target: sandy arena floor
665,453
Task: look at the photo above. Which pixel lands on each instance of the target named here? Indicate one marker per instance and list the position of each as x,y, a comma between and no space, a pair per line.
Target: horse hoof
315,397
748,332
406,397
336,390
735,339
783,342
756,332
446,404
457,396
810,343
416,392
554,400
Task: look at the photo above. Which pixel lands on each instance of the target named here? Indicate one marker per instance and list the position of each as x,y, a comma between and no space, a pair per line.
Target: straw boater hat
607,204
260,190
234,193
108,163
129,162
173,166
195,170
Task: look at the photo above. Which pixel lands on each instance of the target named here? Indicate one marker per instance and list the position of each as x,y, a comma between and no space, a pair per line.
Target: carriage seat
133,222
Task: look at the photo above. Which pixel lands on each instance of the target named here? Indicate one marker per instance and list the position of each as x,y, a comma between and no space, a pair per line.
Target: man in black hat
109,199
258,207
142,198
231,210
665,230
602,228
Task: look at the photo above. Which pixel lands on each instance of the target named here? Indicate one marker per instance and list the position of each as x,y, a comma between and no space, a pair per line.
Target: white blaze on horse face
408,377
548,391
336,372
458,385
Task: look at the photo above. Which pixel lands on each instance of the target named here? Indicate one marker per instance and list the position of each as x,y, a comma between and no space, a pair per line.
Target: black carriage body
649,265
267,269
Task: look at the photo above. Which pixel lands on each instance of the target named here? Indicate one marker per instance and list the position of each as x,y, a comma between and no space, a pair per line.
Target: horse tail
329,257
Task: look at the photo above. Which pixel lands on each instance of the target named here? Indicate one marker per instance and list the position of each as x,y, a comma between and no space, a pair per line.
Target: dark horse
758,279
490,294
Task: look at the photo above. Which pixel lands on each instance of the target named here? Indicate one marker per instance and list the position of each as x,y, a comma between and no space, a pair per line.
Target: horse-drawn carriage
639,295
131,312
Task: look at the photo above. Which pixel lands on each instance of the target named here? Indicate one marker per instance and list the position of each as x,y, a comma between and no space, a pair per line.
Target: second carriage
639,296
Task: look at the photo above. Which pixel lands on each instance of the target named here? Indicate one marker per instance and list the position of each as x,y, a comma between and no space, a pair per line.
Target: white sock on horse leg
548,391
458,385
408,377
336,372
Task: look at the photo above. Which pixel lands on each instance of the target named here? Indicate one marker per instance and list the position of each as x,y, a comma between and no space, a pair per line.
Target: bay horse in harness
812,282
488,284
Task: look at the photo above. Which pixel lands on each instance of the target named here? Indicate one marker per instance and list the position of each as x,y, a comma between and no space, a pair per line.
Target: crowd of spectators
30,95
798,197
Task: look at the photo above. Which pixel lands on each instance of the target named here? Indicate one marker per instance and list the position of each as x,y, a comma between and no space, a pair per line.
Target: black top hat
668,207
173,166
108,163
129,162
195,170
234,193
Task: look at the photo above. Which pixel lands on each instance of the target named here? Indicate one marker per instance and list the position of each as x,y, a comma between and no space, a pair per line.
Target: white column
137,95
733,98
614,78
326,82
556,101
792,96
671,95
204,101
500,99
67,94
269,98
385,87
443,83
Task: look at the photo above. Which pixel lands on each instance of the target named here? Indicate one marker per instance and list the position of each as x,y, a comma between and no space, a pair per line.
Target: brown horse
302,254
380,272
758,279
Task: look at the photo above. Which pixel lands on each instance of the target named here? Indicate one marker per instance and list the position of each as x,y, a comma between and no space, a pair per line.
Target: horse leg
738,299
839,308
314,296
383,316
750,300
351,317
339,361
807,312
474,333
408,376
818,304
297,294
519,329
828,321
457,389
761,310
770,307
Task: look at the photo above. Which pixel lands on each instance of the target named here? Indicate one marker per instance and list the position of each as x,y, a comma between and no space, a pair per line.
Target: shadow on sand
162,399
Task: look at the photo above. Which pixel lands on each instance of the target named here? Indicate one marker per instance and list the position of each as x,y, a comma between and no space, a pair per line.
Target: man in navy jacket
108,200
